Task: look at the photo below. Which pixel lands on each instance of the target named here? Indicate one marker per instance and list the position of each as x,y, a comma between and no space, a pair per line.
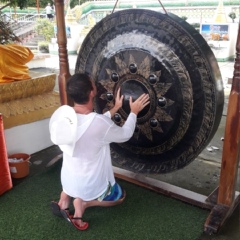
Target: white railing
186,2
24,17
194,14
23,21
30,17
96,14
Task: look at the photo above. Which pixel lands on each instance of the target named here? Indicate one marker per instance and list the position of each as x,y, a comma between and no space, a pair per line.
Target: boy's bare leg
80,206
64,200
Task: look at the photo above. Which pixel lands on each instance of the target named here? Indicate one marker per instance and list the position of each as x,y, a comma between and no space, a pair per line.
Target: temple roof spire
220,15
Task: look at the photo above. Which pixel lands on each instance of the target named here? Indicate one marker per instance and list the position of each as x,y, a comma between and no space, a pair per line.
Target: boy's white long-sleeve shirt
88,172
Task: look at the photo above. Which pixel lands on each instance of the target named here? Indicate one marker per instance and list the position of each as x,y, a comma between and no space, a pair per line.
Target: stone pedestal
26,107
29,100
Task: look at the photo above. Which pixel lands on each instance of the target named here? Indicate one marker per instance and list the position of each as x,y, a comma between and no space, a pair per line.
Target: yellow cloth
13,58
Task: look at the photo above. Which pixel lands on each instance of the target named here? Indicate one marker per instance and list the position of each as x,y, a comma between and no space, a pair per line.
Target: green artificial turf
144,215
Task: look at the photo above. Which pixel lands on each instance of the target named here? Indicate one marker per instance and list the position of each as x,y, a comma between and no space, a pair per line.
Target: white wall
28,138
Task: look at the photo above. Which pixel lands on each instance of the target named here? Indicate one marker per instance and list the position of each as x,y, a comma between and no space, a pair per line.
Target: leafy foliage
43,47
27,3
14,3
74,3
232,15
184,18
45,28
6,33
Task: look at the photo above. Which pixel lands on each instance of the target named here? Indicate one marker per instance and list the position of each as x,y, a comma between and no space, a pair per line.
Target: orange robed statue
13,58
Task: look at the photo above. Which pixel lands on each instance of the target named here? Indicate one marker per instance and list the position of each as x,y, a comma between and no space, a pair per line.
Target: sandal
69,218
56,210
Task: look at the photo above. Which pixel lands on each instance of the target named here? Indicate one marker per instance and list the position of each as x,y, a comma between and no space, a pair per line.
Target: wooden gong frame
224,199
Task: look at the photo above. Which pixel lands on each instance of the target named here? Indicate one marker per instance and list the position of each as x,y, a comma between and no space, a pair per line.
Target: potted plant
45,29
43,47
232,15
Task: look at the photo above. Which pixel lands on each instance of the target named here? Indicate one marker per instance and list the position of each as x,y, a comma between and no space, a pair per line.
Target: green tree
25,3
74,3
232,15
184,18
15,3
45,28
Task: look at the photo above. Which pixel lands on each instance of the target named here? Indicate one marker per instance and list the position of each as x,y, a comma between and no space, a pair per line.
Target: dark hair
79,87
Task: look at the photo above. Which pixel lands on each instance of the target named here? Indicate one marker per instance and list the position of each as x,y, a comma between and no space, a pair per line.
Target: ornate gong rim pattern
160,89
103,42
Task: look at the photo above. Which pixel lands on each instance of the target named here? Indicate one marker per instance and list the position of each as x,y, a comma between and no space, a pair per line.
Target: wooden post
64,73
37,6
226,200
230,156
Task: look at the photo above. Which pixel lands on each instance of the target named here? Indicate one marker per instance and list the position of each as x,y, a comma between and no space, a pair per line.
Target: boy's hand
139,103
118,103
118,100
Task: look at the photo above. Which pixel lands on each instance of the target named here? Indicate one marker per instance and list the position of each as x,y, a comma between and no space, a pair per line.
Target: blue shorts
113,193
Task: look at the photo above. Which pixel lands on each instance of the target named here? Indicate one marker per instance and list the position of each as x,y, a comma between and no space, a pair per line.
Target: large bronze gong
160,54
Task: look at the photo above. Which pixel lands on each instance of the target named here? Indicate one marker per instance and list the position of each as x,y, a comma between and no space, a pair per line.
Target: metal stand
224,199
